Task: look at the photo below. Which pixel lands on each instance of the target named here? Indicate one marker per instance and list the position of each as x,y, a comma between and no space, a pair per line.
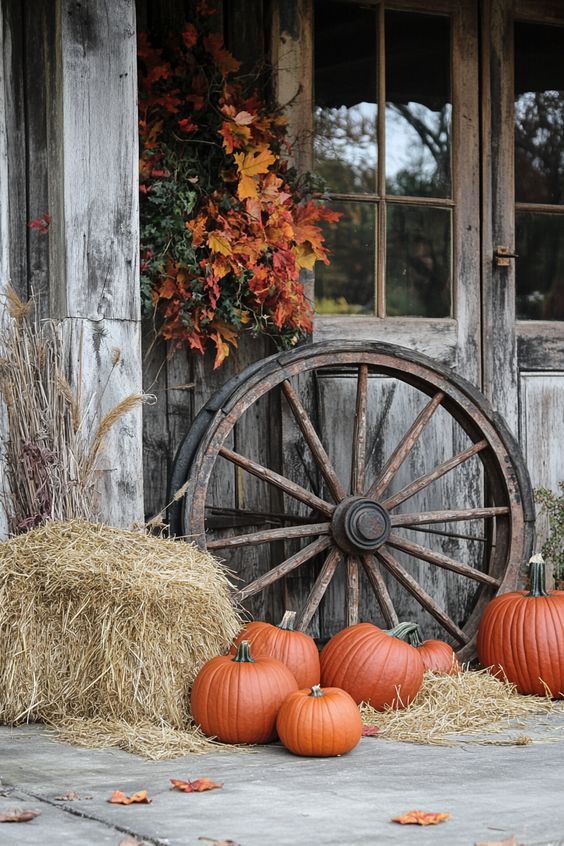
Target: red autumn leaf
41,224
139,798
189,35
186,125
196,786
17,815
420,818
370,731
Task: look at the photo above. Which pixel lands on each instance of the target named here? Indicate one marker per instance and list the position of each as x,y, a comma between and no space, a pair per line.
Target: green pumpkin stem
537,577
243,655
409,632
316,691
288,621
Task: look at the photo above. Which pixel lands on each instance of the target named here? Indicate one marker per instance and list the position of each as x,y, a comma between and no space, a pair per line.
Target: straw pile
102,632
470,703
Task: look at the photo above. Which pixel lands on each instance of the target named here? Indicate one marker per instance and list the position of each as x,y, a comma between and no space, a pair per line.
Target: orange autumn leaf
219,244
420,818
139,798
224,60
255,162
199,785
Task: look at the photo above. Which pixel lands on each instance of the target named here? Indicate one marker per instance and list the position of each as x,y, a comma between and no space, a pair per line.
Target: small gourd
319,722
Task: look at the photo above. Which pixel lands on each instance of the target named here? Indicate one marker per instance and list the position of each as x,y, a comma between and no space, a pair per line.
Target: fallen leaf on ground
16,815
219,842
370,731
131,841
71,796
196,786
511,841
420,818
119,798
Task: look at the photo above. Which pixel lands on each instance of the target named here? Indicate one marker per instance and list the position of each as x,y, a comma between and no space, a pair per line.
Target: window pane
418,105
346,286
418,263
345,96
539,113
540,266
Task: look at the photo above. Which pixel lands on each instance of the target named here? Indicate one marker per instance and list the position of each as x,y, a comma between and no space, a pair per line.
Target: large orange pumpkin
437,656
295,649
521,636
372,666
237,698
319,722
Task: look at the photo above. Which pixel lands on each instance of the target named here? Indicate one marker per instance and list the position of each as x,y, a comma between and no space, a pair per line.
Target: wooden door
524,212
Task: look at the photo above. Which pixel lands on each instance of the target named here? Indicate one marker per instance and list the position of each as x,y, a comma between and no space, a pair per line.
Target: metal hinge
502,255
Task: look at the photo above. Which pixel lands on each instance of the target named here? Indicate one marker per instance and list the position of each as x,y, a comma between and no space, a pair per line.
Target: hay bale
107,625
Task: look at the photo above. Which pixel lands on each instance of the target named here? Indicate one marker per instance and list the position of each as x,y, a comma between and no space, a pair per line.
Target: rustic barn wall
4,244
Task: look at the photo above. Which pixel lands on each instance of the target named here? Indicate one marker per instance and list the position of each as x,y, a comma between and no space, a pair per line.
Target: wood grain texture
4,254
98,134
91,353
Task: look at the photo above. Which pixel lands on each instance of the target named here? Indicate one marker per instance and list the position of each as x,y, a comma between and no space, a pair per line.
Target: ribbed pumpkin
295,649
521,636
436,655
319,722
237,698
372,666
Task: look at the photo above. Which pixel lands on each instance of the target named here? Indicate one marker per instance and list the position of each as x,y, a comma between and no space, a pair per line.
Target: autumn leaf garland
226,225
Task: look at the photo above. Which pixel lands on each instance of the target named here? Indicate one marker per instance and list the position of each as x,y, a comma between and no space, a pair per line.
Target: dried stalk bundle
102,632
50,455
470,703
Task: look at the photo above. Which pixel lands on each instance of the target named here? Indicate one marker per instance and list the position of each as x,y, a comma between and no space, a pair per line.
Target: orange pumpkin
319,722
437,656
372,666
521,636
295,649
237,698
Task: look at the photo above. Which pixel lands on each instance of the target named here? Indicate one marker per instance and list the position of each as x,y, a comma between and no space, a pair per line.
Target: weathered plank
4,254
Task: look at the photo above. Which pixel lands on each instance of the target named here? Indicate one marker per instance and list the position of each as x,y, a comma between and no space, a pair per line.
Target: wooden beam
94,239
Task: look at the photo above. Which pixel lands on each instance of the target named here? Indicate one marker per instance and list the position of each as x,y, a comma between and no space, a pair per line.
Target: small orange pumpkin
237,698
521,636
437,656
319,722
372,666
295,649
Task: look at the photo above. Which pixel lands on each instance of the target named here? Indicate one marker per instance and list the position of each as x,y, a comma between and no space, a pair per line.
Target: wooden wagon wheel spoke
420,595
379,587
409,520
270,535
253,516
453,535
404,447
423,481
317,592
429,555
352,591
286,485
284,568
358,463
314,443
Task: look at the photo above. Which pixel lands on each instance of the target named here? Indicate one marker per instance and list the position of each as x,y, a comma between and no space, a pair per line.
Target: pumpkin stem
537,577
409,632
243,655
288,621
316,691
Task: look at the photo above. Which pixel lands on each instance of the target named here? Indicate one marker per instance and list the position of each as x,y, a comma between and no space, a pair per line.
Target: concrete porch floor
272,798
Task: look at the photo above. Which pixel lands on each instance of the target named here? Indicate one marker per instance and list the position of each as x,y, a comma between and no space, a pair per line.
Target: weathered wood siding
4,247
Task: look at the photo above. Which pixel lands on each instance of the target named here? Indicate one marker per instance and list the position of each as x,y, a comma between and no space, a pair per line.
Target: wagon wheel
358,524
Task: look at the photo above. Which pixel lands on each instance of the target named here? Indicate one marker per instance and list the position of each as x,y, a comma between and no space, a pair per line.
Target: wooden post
93,201
4,253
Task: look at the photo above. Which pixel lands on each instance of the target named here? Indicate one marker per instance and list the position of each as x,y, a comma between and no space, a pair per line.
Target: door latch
502,256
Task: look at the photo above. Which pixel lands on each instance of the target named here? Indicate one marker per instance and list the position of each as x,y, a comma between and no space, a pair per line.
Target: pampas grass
469,703
102,632
51,457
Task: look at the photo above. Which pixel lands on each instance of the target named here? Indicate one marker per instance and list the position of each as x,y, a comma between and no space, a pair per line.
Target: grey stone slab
272,798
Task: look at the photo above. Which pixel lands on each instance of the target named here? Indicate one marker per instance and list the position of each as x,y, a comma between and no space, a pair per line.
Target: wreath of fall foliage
226,224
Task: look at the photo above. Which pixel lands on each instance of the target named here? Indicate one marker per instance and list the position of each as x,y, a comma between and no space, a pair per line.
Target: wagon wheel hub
360,525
